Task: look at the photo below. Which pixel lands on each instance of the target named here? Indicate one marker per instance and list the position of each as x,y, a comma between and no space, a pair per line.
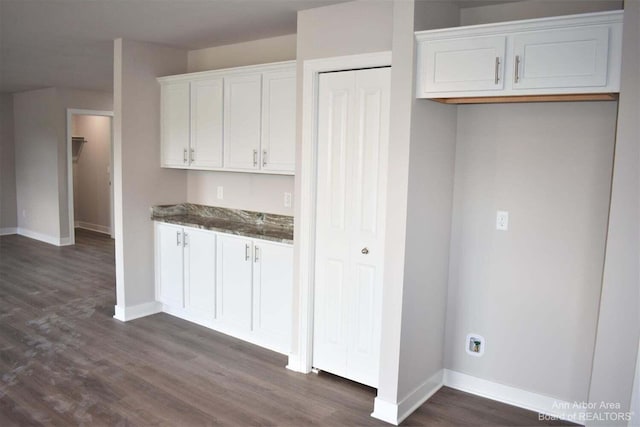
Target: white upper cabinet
206,124
577,54
278,120
571,58
175,124
242,121
473,63
238,119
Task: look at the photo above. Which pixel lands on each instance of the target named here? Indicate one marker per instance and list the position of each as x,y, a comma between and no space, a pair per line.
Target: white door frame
301,358
79,112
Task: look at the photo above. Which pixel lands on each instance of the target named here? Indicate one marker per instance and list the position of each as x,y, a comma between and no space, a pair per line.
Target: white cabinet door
170,265
279,120
563,58
272,293
353,131
200,271
233,281
175,124
206,124
465,64
242,95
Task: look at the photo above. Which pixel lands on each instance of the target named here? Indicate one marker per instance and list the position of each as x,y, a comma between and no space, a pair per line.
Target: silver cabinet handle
178,240
255,157
185,238
193,155
247,255
256,254
184,156
497,76
365,251
516,77
264,157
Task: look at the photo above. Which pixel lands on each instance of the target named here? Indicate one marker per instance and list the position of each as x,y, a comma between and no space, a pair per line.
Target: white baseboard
8,230
124,314
93,227
52,240
514,396
395,413
295,365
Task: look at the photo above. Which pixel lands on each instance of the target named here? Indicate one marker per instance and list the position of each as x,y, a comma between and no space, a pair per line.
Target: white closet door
353,134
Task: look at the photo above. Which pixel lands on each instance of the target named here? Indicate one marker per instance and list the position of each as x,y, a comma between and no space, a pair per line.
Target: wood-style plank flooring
65,361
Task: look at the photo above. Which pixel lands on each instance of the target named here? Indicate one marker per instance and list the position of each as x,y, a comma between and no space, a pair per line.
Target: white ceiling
69,43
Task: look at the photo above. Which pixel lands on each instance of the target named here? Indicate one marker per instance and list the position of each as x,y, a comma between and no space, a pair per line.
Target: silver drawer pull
497,77
247,254
516,77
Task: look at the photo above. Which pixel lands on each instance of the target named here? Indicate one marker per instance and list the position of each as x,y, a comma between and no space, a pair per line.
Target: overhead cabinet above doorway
238,119
561,56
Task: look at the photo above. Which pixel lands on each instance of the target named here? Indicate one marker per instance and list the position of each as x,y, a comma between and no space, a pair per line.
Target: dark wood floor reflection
65,361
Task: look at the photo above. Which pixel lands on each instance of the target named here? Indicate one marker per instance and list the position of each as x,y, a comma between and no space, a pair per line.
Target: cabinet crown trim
225,72
566,21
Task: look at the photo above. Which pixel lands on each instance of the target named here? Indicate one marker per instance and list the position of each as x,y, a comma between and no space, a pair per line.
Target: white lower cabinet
236,285
234,282
272,293
186,269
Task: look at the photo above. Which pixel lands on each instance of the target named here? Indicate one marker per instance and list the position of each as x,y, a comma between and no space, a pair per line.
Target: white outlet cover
502,220
220,192
287,200
468,347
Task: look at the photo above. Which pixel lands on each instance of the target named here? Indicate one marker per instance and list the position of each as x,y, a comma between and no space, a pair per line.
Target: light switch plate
502,221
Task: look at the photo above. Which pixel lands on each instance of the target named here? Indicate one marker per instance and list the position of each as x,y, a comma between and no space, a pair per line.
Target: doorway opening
90,171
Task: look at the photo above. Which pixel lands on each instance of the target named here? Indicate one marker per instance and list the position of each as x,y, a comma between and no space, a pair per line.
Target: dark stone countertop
276,228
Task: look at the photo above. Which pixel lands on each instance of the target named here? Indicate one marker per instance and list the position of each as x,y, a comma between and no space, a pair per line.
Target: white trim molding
93,227
52,240
8,230
395,413
300,360
124,314
536,402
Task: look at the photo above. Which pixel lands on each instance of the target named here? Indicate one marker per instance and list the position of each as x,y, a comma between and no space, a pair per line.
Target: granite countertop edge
247,228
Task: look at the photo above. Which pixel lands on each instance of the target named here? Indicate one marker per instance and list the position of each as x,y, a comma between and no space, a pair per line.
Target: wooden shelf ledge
530,98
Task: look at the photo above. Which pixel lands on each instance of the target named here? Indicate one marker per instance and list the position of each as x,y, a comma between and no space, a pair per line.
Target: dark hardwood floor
65,361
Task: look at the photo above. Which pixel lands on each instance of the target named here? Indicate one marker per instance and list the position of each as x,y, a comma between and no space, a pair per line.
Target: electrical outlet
287,200
220,192
502,221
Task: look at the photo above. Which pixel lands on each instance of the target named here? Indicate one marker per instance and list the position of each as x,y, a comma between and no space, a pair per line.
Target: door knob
364,251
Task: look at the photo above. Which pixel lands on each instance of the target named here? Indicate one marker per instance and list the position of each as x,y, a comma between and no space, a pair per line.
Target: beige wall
274,49
36,149
91,172
619,320
40,119
530,9
8,210
419,215
254,192
532,291
139,181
